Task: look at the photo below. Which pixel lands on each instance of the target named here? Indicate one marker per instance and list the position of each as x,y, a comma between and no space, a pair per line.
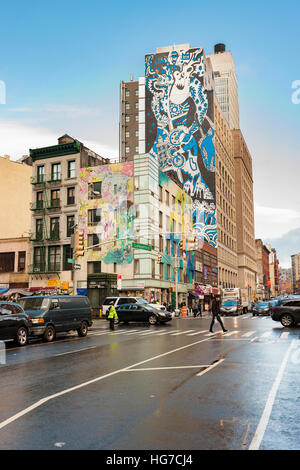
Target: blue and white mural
180,131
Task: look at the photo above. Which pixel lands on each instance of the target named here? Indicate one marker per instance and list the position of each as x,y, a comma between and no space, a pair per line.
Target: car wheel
82,331
287,320
22,336
152,319
49,334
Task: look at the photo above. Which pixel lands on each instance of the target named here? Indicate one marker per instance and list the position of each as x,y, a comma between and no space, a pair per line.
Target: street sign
141,246
70,260
77,266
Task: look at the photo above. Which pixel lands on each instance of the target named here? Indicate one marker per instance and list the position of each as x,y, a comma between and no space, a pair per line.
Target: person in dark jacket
215,310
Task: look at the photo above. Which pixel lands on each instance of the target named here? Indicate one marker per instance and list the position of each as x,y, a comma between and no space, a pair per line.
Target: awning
17,291
36,289
3,291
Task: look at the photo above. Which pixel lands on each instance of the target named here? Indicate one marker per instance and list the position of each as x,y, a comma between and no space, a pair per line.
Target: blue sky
62,62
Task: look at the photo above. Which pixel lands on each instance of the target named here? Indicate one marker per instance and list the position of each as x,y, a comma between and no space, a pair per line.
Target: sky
62,61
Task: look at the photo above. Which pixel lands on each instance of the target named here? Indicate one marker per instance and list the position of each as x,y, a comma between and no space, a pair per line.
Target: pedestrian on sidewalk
111,316
215,310
199,309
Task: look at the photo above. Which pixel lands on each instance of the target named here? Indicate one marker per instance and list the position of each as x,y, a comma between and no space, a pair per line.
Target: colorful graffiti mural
179,129
180,222
106,211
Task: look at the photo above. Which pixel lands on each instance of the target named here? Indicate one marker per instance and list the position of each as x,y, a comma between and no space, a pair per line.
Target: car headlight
162,314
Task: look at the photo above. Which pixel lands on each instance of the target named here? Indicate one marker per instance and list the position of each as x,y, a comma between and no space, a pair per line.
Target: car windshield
141,300
35,303
262,304
147,307
229,303
109,300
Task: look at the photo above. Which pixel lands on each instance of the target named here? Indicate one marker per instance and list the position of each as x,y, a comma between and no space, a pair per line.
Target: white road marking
166,368
197,333
266,334
167,332
89,382
75,351
210,367
285,334
149,333
212,334
181,332
231,333
132,332
249,333
263,423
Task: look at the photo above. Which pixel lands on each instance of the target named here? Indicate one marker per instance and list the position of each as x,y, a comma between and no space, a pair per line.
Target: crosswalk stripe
266,334
197,333
285,334
167,332
232,333
149,333
249,333
181,332
132,332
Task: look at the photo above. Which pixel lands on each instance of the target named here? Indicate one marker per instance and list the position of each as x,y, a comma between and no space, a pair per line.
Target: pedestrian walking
215,310
195,309
111,316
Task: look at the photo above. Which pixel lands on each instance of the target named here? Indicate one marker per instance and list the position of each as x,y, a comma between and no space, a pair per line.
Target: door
70,314
137,313
54,315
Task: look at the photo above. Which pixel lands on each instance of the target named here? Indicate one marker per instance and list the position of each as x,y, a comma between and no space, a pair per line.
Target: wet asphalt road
171,386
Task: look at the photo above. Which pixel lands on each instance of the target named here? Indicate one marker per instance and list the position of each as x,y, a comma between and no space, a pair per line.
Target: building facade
246,252
54,207
263,283
15,222
295,259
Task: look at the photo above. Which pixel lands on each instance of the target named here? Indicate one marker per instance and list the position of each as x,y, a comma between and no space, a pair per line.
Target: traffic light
79,244
191,245
181,245
158,259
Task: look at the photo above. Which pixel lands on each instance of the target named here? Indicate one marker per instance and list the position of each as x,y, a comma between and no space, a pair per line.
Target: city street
173,386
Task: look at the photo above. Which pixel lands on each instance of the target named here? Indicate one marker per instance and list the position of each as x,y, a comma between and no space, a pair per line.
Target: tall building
15,218
244,204
129,120
296,273
225,201
226,87
55,195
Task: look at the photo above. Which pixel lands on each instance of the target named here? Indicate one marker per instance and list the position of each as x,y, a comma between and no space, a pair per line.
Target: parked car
14,323
52,314
261,308
116,301
288,313
231,307
140,312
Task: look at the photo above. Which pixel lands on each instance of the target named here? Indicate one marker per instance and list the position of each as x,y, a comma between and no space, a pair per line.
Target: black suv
14,323
288,312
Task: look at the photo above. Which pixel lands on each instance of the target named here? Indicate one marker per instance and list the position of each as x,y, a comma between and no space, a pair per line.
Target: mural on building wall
179,129
180,221
108,190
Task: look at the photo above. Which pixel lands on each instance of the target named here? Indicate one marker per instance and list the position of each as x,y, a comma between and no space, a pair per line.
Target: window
136,133
127,149
136,266
40,173
68,254
7,262
54,258
153,267
137,105
127,93
127,106
93,239
54,228
56,172
160,194
115,267
38,258
39,229
70,225
39,200
55,198
137,149
94,267
95,190
167,198
72,169
94,216
127,134
70,196
160,219
127,118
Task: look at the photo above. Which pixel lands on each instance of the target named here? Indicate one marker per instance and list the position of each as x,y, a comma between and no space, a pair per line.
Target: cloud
286,245
69,111
271,222
17,138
